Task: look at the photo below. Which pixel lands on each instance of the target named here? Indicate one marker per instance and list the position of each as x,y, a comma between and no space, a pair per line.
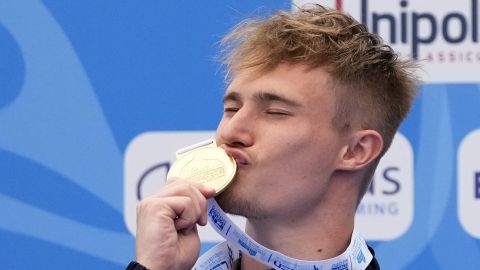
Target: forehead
297,82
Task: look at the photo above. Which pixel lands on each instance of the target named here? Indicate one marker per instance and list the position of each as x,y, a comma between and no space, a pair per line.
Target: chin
235,203
231,202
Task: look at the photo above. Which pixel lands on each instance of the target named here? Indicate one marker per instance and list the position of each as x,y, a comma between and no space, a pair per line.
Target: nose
236,130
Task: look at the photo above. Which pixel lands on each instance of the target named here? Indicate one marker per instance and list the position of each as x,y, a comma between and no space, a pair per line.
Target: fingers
199,194
186,213
181,201
166,225
207,191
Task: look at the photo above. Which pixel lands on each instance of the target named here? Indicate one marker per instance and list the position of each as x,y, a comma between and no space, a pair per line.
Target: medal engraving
205,164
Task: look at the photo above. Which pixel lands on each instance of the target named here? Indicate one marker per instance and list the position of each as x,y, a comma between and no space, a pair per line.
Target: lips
239,156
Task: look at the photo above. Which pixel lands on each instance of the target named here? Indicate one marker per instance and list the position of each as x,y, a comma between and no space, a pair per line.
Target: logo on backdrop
477,185
444,36
389,200
468,183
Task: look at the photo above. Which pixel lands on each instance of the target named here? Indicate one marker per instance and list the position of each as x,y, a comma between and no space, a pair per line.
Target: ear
362,148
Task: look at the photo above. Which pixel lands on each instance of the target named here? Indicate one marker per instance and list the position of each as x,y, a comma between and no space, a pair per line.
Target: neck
325,232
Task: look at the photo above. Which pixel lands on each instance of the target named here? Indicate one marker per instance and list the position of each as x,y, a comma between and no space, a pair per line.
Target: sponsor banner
468,182
386,210
444,36
385,213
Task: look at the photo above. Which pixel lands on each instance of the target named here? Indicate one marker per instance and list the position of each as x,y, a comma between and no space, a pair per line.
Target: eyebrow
268,97
232,96
262,97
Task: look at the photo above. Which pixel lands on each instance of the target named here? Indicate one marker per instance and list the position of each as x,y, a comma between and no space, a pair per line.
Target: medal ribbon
221,257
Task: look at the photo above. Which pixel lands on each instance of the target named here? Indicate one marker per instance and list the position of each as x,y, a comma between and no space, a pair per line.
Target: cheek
307,158
291,160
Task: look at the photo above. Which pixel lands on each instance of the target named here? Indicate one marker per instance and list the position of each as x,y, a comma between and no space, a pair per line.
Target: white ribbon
222,256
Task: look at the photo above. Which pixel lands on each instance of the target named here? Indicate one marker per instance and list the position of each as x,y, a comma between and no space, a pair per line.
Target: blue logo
217,219
230,255
361,257
284,265
165,166
342,265
393,187
453,28
250,249
477,185
219,265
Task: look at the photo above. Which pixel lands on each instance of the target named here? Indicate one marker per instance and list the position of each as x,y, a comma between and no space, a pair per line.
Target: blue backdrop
80,79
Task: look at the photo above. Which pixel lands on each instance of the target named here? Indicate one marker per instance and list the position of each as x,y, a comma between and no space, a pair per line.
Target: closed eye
230,110
278,112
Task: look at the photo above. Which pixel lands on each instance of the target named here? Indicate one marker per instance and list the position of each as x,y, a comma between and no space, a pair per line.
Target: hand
167,236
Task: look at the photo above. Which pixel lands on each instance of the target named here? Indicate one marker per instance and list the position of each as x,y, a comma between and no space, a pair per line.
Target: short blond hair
374,89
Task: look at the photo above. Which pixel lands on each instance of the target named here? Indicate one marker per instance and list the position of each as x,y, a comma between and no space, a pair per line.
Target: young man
314,101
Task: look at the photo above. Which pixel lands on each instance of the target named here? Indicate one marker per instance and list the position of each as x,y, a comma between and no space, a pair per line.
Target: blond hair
374,89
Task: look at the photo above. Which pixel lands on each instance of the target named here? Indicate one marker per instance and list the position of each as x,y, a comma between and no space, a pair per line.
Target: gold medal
204,163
